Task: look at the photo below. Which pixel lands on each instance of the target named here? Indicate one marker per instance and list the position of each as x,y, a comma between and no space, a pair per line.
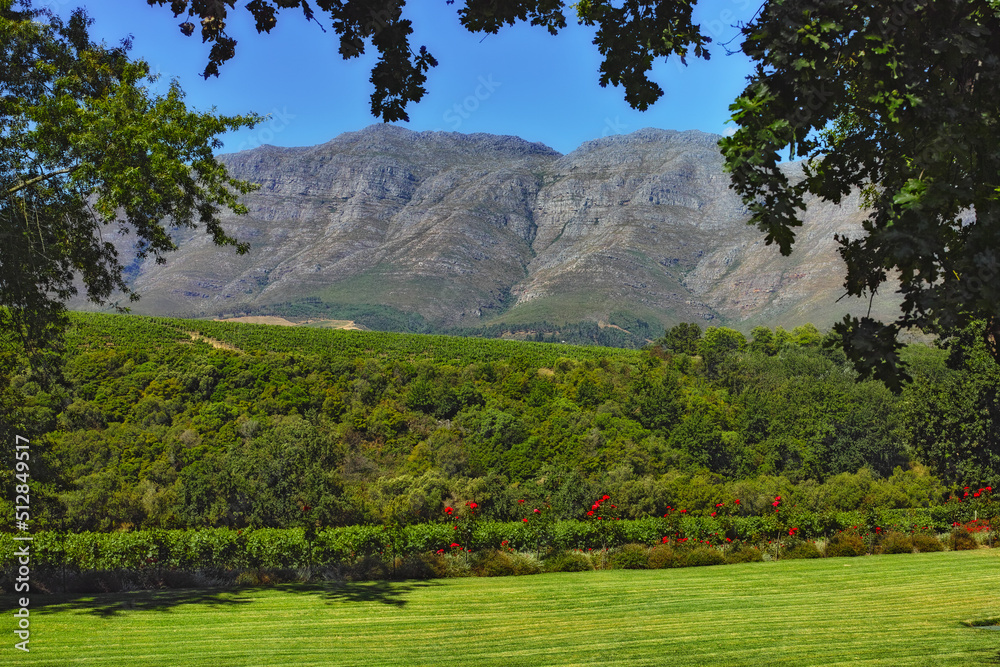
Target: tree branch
24,184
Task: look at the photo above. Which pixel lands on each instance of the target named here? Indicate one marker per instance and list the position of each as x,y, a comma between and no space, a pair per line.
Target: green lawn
888,610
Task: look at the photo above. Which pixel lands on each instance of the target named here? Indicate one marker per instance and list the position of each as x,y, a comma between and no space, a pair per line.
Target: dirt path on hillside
217,344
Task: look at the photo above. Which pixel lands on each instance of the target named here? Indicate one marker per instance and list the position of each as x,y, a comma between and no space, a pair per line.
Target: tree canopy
895,99
630,37
85,147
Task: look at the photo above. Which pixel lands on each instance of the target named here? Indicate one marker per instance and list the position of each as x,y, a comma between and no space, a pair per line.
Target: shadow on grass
391,593
106,605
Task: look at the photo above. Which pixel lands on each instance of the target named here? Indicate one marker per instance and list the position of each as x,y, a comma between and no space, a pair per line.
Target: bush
802,550
422,566
744,554
660,557
630,557
265,577
962,540
845,544
897,543
569,561
368,568
491,563
703,556
926,543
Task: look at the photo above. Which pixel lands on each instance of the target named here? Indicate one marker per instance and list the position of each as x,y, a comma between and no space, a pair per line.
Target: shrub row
290,548
455,562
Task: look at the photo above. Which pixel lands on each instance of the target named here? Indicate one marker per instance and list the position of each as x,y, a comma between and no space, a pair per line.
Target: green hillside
185,423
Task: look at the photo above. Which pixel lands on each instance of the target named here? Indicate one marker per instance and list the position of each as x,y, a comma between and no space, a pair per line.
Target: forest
146,423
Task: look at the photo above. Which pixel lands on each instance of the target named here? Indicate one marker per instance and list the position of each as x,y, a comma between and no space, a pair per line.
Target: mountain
443,230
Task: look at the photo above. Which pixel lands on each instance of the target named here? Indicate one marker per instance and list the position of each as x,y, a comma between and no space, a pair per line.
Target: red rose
537,511
524,520
591,513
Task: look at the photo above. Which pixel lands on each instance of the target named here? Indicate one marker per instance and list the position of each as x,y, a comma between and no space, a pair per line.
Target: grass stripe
887,610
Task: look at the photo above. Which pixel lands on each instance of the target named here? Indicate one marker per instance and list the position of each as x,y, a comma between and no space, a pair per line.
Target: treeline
161,423
625,330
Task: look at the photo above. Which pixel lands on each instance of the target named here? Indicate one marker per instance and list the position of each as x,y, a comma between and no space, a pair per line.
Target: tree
629,37
763,341
895,99
950,416
718,344
655,401
83,146
681,339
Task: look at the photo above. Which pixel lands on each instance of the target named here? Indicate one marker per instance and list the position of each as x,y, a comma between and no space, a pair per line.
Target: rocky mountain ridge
470,230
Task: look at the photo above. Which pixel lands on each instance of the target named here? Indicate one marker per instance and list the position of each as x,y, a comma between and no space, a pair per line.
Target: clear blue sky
522,81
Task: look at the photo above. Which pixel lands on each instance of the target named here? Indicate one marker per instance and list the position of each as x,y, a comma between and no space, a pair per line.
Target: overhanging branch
37,179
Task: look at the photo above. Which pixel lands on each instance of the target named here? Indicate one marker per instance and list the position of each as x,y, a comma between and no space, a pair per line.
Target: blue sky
522,81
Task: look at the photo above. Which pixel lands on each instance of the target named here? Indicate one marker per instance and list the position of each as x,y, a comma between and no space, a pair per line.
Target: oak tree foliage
630,36
896,100
87,152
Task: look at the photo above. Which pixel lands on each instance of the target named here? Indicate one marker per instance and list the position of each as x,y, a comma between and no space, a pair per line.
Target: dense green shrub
895,542
962,540
492,563
926,543
422,566
845,544
802,550
700,556
661,556
368,568
569,561
630,557
573,534
744,554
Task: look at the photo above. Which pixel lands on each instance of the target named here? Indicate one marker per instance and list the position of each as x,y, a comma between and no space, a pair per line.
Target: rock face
467,230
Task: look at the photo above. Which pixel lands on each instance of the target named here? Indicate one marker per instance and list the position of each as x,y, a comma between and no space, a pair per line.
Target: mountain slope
469,230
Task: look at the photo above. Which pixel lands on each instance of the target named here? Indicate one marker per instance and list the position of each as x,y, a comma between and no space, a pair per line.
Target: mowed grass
885,610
